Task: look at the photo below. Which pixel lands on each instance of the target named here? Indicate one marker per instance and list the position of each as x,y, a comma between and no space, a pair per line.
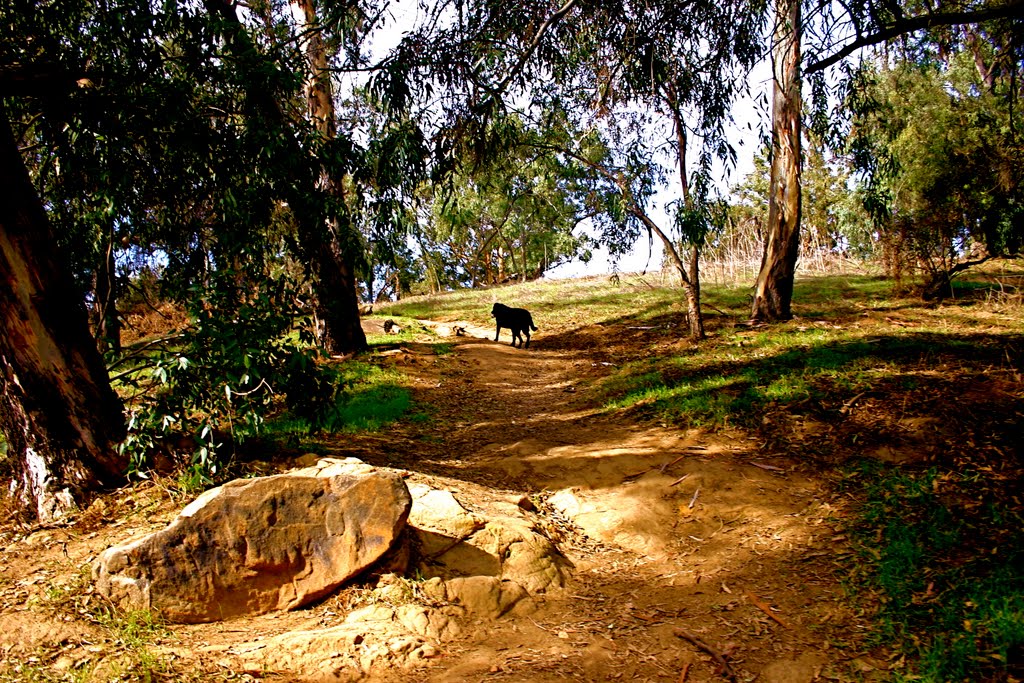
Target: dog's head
498,308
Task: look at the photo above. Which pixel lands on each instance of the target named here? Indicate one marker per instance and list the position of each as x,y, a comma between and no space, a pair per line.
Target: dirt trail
672,534
668,531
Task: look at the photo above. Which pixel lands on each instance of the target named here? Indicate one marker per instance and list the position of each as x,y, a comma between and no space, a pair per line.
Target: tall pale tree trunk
338,305
774,289
58,413
326,241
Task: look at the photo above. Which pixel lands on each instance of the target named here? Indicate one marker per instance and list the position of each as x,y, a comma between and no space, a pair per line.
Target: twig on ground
542,628
669,464
771,468
715,654
766,609
683,672
849,404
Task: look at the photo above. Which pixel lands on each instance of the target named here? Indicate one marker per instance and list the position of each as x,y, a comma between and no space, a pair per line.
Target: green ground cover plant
945,576
372,397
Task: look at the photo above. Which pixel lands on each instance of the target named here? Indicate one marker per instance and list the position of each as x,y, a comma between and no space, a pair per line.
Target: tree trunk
691,281
338,296
337,300
774,289
691,290
58,413
693,309
320,236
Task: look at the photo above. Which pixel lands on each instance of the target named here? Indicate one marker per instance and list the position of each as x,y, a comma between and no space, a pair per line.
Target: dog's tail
532,326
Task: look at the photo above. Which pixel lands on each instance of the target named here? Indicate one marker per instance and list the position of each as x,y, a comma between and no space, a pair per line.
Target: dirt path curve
676,537
670,531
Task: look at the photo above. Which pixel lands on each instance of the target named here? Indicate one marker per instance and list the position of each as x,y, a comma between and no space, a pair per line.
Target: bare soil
698,556
674,534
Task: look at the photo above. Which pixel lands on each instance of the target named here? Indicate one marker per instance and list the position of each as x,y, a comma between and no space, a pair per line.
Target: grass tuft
373,397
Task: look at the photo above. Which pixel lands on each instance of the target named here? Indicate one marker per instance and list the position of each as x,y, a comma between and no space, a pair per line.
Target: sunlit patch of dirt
669,529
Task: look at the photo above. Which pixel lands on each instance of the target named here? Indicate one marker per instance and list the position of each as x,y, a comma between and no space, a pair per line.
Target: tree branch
532,47
633,207
1011,9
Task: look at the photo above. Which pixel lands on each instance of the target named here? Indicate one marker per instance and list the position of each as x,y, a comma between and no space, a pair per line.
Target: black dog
518,320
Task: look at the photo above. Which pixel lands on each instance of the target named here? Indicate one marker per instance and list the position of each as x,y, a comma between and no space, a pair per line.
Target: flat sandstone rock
258,545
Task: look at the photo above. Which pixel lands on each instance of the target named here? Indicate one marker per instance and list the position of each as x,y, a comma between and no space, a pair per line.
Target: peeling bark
58,413
774,289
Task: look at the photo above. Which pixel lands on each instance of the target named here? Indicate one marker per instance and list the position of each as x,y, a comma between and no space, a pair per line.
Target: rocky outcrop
371,638
502,544
258,545
470,565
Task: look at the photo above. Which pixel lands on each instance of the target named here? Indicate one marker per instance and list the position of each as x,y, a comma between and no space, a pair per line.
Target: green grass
738,374
372,398
133,631
593,300
949,579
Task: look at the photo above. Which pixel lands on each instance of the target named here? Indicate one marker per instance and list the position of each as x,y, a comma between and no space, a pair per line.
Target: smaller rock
439,511
485,596
525,503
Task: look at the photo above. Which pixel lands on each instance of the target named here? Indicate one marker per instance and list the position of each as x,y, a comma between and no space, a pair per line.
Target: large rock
258,545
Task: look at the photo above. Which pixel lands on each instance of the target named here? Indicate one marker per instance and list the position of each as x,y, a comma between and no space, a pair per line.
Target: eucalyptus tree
773,290
683,65
622,178
58,414
66,106
326,239
828,34
516,214
607,65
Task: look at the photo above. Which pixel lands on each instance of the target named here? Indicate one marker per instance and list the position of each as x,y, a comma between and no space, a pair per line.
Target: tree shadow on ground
922,398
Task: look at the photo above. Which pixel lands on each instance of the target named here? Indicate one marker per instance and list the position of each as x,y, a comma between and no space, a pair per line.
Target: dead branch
715,654
770,468
766,609
669,464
